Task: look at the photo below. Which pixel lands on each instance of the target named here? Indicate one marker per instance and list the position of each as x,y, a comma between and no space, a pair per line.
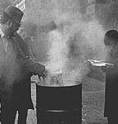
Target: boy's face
108,41
111,47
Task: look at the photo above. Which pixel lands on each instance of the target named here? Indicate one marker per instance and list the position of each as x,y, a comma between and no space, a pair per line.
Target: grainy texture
93,103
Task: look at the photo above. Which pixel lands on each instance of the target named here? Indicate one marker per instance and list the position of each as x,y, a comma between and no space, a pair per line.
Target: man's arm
35,68
39,69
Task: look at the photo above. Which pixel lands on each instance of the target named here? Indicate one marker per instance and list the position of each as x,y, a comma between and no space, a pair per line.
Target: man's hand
42,78
44,74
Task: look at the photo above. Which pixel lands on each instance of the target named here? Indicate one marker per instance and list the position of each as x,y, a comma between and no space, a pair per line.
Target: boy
111,91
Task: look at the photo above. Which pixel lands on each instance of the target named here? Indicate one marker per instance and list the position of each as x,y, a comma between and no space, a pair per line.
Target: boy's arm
105,68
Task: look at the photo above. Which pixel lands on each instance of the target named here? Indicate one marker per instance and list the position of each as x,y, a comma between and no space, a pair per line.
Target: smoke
58,52
73,42
85,43
94,38
107,14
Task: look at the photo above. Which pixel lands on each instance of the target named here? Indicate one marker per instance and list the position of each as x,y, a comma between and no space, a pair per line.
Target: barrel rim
66,86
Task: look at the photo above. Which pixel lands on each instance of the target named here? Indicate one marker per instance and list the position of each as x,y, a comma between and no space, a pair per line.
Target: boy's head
111,38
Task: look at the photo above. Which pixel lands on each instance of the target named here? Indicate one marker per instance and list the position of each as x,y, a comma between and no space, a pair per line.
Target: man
111,100
16,69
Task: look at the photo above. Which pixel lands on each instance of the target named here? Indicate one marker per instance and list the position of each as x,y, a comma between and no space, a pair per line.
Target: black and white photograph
58,61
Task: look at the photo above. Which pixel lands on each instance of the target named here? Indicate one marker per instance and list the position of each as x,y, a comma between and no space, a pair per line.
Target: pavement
93,103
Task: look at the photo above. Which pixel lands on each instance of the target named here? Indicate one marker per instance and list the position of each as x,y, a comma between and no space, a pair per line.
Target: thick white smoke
58,52
73,42
81,41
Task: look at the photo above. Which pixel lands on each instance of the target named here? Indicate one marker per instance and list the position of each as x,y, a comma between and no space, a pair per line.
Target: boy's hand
106,68
100,64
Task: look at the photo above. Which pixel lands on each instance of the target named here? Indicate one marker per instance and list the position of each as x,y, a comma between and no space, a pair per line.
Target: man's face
9,27
108,41
5,29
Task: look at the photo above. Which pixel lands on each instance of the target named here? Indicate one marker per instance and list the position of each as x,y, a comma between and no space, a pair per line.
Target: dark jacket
111,89
111,92
18,90
22,86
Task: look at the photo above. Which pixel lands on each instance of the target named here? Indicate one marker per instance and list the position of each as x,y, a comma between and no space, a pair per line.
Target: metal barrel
59,105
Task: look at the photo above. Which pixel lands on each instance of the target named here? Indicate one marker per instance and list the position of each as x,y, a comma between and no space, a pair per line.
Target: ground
93,102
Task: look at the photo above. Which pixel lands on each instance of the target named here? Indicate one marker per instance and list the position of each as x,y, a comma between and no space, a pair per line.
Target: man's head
111,38
10,20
